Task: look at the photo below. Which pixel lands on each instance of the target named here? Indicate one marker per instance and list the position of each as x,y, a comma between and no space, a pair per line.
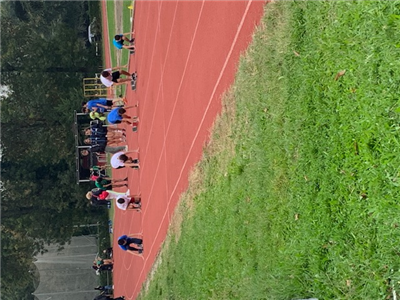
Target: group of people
102,138
113,111
102,264
103,192
112,76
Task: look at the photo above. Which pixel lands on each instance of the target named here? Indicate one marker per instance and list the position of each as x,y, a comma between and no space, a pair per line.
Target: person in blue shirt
131,244
119,39
118,115
100,105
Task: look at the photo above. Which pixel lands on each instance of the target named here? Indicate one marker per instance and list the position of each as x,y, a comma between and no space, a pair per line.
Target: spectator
103,267
96,171
100,261
94,115
108,252
105,141
108,297
107,184
102,148
97,202
104,288
100,130
104,195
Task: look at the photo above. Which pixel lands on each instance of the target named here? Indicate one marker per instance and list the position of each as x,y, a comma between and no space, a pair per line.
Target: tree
44,58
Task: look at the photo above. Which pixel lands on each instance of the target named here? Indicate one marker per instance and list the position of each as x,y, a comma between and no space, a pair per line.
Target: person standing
107,184
100,105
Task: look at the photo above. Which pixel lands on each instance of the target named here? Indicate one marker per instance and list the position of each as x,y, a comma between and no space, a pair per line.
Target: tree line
44,57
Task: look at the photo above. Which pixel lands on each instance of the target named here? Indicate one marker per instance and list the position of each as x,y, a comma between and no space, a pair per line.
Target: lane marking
200,125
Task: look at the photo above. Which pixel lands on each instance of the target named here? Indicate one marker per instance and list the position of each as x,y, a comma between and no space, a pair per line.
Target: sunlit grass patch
301,199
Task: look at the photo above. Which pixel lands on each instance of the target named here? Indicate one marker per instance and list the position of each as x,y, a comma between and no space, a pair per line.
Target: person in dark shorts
105,184
110,78
100,105
108,297
108,252
104,288
118,115
129,202
131,244
119,40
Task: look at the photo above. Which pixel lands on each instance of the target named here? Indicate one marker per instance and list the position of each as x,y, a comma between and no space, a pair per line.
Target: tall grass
297,194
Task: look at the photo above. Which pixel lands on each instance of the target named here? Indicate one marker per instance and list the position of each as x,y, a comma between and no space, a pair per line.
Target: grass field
125,12
127,26
121,9
297,194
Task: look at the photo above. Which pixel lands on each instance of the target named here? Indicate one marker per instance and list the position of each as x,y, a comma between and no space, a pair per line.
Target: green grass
297,194
127,25
112,31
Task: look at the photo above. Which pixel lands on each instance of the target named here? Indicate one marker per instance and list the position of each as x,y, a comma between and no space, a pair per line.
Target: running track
186,58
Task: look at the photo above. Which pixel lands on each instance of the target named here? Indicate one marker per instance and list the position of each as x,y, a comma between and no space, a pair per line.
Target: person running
110,78
119,40
120,160
131,244
129,202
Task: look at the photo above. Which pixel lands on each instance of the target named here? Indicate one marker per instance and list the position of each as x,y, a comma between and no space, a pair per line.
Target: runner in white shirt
120,160
128,202
110,78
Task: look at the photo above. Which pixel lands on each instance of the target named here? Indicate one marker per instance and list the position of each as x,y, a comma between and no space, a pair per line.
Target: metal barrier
92,87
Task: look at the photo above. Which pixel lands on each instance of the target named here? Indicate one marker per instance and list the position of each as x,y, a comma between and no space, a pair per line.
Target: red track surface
186,57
